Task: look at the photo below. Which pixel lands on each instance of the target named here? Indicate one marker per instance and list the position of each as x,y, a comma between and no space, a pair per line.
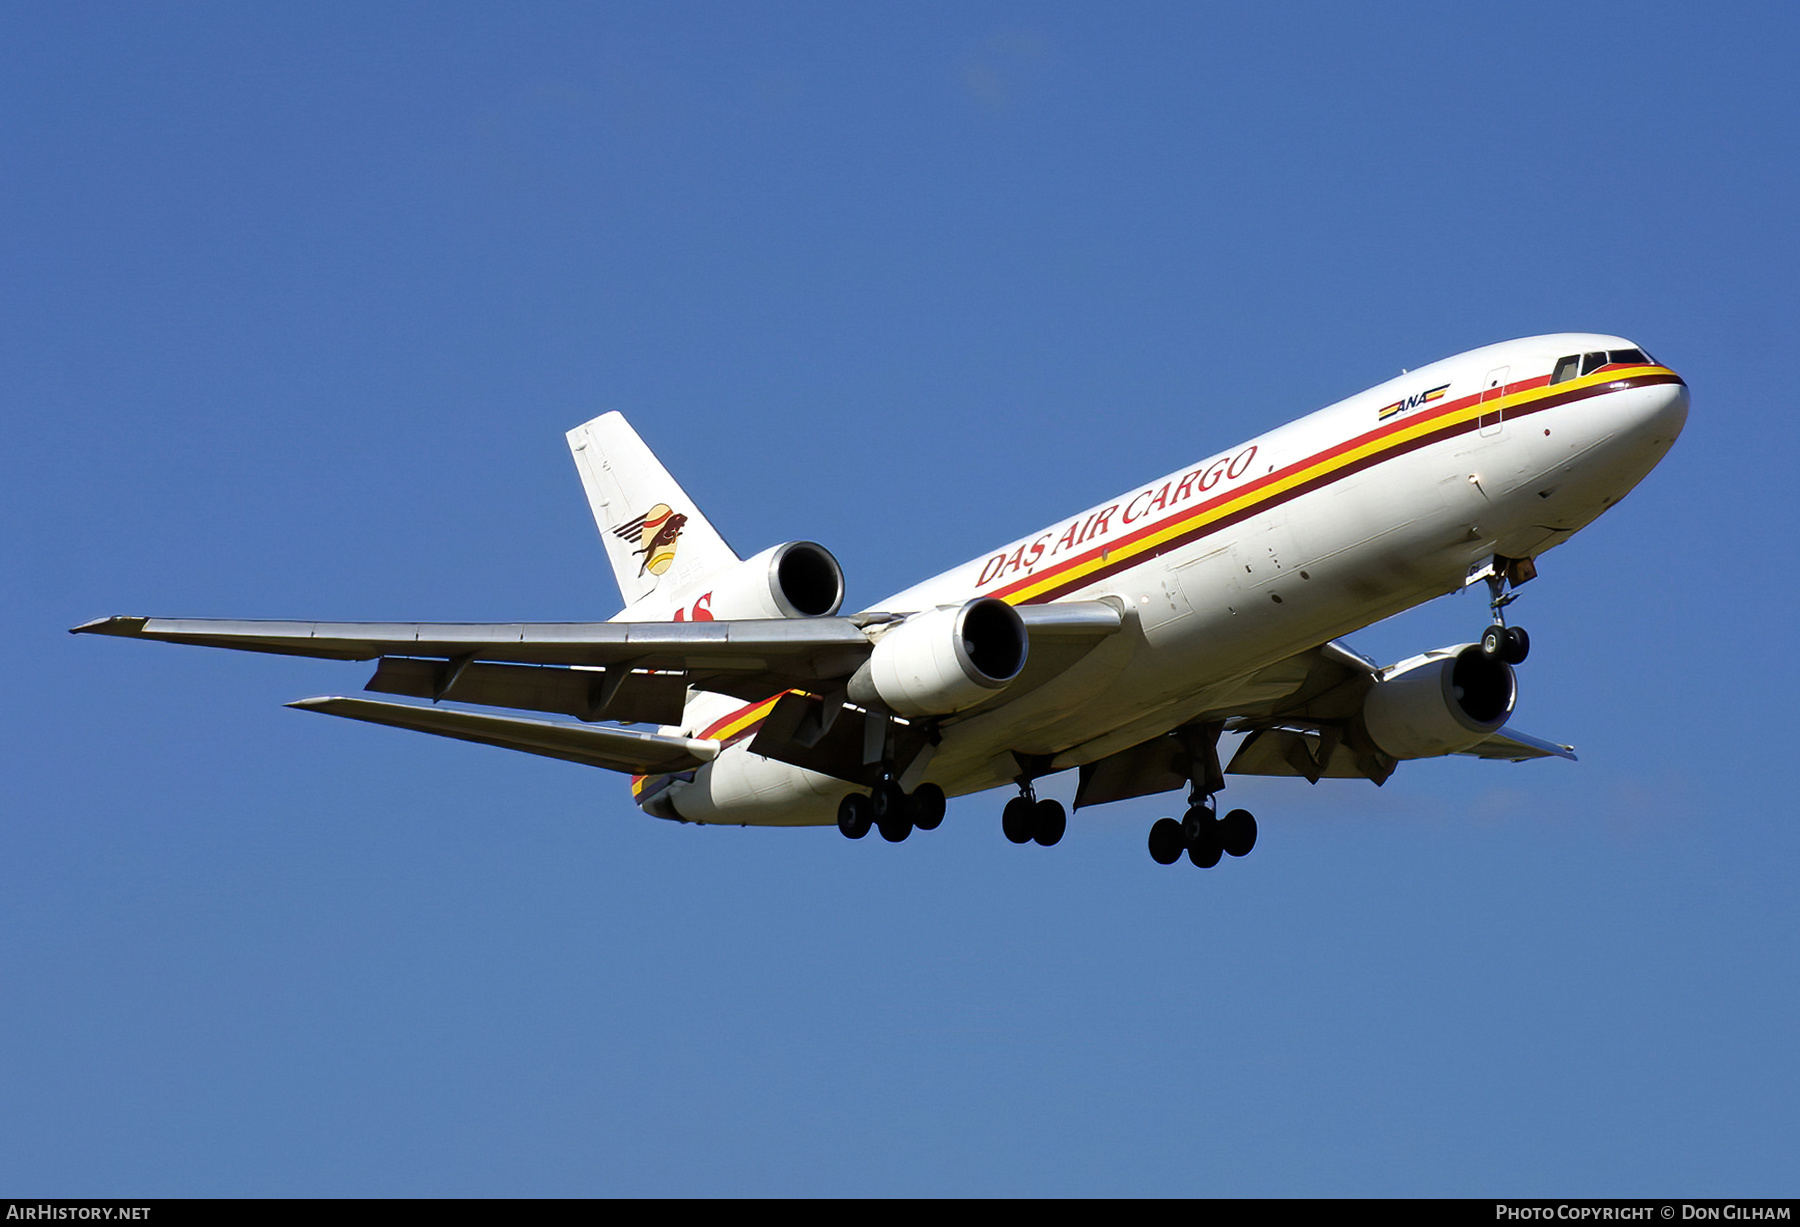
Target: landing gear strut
1026,818
1500,641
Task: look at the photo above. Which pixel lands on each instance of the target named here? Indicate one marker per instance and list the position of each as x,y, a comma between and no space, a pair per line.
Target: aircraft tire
897,825
928,807
1015,820
1518,646
1166,841
1205,849
1196,820
854,817
1048,822
886,800
1493,641
1238,832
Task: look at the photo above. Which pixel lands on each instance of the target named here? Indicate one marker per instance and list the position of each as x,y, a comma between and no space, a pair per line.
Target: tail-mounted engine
797,580
943,660
1439,703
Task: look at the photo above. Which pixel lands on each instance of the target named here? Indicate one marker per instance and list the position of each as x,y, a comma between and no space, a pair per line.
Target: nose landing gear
1502,642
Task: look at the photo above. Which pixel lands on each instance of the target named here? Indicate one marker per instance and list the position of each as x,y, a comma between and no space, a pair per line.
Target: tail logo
657,533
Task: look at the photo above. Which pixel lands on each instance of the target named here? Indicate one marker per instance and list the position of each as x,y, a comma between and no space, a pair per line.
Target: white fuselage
1325,525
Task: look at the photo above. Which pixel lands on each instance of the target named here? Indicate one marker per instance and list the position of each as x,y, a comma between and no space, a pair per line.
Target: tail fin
656,539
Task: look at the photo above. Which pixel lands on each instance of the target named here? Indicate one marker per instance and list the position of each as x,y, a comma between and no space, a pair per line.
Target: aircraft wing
1300,717
629,671
820,646
633,672
1515,746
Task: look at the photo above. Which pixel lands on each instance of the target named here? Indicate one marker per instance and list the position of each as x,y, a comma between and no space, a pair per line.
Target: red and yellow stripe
742,722
1384,442
1315,472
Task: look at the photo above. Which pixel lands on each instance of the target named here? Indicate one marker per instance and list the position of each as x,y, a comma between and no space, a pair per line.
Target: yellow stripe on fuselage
1271,489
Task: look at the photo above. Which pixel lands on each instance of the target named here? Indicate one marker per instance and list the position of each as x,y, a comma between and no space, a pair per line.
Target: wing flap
1311,755
627,750
803,730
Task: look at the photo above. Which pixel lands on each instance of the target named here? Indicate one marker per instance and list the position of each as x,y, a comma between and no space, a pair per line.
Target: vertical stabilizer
656,539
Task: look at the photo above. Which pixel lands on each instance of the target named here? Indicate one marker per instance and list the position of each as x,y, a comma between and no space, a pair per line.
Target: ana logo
1411,402
656,534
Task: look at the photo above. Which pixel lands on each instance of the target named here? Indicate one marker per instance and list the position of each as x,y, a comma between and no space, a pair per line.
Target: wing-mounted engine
1440,703
943,660
799,579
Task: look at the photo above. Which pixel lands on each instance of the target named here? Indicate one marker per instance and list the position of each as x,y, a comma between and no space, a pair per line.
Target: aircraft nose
1664,410
1647,415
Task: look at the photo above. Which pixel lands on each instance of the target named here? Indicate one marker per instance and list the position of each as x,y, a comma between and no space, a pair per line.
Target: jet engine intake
797,580
1439,703
943,660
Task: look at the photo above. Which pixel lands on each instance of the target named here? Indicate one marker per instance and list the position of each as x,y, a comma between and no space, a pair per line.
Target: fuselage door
1493,388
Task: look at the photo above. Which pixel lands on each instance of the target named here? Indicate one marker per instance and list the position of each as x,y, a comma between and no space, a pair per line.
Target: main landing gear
1026,818
1203,835
1502,642
891,811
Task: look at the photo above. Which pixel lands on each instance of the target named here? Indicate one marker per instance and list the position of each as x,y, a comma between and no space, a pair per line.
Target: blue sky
298,302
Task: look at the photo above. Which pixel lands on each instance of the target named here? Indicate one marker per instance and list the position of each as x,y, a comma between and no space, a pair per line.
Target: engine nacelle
1439,703
797,580
943,660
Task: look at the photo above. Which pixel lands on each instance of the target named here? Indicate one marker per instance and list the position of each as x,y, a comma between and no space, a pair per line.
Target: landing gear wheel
1166,841
1196,820
1048,822
1516,647
1493,641
928,807
899,821
1237,832
1016,820
1206,850
885,800
855,815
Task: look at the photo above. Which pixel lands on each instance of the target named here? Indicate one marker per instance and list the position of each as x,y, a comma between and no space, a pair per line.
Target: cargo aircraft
1122,641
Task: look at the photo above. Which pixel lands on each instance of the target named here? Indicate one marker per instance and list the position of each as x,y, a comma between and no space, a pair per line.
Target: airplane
1122,642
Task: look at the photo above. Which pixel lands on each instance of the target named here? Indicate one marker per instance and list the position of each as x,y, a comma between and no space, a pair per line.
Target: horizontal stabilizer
588,694
615,749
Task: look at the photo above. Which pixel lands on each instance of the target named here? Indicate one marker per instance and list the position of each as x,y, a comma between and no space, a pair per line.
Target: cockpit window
1566,368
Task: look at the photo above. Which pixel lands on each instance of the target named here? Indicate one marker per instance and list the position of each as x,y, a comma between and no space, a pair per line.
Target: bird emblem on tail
657,533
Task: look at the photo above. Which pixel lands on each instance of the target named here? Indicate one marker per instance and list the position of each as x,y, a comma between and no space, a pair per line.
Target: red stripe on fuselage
1411,422
1323,480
